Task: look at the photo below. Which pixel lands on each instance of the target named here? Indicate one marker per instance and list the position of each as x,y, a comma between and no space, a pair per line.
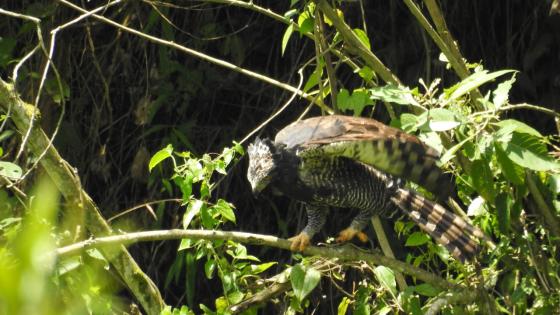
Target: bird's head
262,164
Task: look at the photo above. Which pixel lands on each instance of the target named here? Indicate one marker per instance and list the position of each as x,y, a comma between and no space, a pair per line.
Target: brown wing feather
369,141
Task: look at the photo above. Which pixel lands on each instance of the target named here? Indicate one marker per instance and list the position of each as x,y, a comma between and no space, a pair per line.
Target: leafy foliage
120,96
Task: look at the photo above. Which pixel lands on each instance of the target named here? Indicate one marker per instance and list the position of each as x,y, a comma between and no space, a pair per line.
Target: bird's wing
369,141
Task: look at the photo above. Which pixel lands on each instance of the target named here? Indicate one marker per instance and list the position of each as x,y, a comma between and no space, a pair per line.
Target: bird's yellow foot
349,233
299,242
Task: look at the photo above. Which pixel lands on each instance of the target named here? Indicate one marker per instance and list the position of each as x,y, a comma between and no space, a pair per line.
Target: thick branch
342,253
68,183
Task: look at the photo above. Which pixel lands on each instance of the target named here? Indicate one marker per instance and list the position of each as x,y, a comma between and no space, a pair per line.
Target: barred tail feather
459,237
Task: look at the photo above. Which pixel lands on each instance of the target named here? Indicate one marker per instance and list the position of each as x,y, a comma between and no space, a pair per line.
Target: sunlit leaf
508,126
10,170
472,82
304,280
393,94
343,306
225,209
314,79
287,34
256,269
440,119
417,239
193,208
366,73
209,268
160,156
355,102
501,93
387,278
526,150
305,23
476,207
363,37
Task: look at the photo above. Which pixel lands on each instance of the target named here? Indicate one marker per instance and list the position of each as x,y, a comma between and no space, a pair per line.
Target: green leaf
508,126
10,170
503,207
432,139
476,208
185,243
160,156
363,37
393,94
387,278
511,171
304,280
207,220
256,269
409,122
440,119
426,289
526,150
287,34
209,268
355,102
343,306
206,309
501,93
193,208
472,82
417,239
305,23
185,185
483,179
313,79
366,73
225,209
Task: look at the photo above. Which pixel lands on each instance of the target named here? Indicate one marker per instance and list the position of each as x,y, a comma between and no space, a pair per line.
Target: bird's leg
356,227
316,218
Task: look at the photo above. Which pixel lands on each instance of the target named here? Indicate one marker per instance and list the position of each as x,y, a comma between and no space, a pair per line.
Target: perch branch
342,253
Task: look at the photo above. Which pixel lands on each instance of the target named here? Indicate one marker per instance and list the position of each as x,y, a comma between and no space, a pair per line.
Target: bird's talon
349,233
299,242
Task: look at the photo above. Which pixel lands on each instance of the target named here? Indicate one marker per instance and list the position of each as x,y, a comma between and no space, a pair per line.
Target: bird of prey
354,162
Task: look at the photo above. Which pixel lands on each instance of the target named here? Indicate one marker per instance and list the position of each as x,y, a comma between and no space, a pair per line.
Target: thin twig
145,204
197,54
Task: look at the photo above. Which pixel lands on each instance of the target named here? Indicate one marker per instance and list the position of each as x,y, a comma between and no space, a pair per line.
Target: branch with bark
68,184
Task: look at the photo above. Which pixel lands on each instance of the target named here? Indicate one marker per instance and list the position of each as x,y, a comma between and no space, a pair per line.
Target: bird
356,162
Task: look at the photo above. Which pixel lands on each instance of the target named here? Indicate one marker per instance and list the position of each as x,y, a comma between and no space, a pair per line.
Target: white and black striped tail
459,237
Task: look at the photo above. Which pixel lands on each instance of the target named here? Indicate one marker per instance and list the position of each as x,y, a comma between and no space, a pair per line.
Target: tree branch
202,56
341,253
68,183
